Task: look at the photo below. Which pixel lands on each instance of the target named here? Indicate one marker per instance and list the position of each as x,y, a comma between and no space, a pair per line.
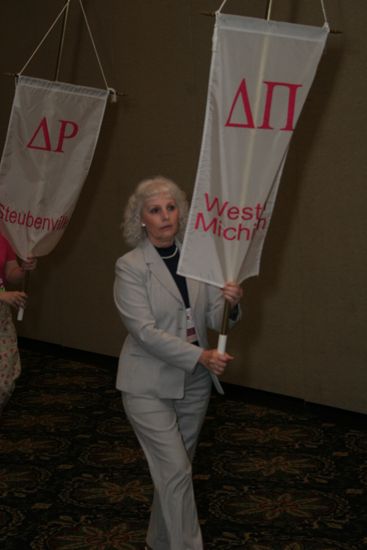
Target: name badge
190,327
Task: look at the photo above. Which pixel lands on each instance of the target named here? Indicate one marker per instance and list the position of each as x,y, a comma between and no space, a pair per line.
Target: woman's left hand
232,292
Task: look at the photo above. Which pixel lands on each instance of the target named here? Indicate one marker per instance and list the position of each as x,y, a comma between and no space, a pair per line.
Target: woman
165,368
13,273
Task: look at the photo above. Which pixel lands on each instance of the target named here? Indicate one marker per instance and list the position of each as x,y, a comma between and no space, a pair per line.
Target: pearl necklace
171,255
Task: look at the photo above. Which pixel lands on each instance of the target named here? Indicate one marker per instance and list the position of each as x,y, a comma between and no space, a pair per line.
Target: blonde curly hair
133,231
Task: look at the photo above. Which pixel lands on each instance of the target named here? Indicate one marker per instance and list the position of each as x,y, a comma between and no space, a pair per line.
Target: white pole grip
222,342
20,314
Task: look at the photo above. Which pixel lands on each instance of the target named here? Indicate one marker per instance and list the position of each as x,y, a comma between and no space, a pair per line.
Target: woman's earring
143,224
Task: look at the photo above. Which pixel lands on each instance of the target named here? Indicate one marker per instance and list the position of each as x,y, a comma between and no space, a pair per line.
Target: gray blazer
155,356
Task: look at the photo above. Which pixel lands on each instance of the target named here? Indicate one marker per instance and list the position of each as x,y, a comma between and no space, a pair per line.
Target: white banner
52,134
260,75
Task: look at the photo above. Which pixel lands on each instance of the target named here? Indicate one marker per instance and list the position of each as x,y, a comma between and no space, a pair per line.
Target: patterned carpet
270,473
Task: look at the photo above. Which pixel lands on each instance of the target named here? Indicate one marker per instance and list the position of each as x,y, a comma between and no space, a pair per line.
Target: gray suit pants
168,430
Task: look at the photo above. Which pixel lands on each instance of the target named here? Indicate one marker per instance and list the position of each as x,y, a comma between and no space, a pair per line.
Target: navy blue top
172,264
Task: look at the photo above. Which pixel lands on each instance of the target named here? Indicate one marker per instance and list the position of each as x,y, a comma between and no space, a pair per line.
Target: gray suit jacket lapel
159,269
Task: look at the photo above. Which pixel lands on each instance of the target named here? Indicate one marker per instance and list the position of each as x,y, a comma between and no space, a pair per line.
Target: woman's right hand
14,298
215,361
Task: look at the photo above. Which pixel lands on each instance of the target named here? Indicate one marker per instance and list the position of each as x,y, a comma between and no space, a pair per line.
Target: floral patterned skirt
9,355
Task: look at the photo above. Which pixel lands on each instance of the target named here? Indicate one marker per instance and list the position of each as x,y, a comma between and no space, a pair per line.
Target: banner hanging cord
269,6
94,46
44,38
222,6
65,9
268,10
62,40
324,12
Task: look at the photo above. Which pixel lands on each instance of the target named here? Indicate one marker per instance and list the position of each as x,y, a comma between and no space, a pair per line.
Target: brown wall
304,329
